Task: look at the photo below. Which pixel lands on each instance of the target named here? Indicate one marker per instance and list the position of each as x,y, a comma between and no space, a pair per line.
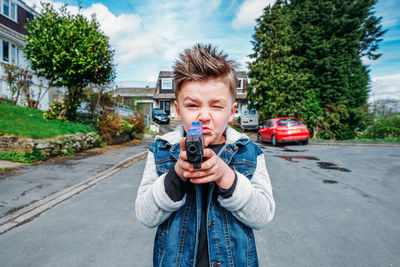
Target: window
13,11
165,105
13,56
166,83
9,9
6,7
10,52
241,83
289,122
5,51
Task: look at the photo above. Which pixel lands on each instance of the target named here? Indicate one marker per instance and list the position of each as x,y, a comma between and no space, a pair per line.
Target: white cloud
248,11
385,87
149,38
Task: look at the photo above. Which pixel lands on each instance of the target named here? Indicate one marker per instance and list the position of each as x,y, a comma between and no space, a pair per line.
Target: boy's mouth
206,130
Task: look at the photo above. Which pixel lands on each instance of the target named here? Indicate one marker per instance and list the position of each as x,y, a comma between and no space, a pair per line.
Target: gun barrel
195,145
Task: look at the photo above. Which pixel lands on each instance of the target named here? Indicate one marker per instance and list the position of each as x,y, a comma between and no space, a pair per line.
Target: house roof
134,91
169,74
165,74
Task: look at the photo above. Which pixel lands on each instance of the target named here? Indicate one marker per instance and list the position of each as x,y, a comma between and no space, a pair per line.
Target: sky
148,35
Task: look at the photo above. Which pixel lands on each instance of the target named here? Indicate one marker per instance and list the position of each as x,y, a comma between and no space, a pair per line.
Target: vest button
211,223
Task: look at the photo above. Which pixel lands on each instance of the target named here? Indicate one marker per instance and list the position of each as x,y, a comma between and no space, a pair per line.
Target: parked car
280,130
159,116
124,111
249,120
84,109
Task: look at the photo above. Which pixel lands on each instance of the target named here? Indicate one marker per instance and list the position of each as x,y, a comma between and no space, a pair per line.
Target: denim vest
230,242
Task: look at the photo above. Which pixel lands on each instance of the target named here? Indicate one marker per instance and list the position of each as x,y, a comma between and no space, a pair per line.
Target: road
344,216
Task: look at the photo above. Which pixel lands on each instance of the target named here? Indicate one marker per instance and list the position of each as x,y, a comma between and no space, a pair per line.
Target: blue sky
148,35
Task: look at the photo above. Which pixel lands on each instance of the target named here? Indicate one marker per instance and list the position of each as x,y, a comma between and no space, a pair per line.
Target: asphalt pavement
335,206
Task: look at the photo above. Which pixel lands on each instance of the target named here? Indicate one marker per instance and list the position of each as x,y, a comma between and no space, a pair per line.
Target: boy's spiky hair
201,63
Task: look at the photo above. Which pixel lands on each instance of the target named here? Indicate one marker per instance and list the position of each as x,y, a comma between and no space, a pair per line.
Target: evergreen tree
277,86
327,40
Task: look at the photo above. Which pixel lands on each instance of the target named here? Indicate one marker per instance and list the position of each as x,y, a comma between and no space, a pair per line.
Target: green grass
29,123
148,131
22,157
236,128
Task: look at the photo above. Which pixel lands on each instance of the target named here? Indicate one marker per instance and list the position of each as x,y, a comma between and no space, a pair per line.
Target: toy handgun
194,144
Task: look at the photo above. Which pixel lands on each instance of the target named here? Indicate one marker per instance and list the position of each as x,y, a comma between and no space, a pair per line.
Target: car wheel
274,140
305,142
259,138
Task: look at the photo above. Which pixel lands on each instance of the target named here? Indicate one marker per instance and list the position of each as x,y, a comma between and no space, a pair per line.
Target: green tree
327,40
277,87
69,50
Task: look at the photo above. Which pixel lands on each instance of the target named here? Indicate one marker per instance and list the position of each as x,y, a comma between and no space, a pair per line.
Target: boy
205,216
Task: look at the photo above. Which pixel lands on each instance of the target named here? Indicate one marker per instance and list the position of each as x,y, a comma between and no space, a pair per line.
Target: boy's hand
214,169
182,165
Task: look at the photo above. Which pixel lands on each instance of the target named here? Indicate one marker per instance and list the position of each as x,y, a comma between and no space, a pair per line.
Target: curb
30,212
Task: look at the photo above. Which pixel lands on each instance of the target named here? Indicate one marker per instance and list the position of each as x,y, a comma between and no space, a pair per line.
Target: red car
287,129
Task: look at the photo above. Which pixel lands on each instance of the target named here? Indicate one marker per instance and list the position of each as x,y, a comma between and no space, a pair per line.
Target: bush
88,119
56,111
383,127
139,124
110,125
36,155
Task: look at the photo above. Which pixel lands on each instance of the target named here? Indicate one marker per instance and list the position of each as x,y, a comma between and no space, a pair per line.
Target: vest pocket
163,165
245,167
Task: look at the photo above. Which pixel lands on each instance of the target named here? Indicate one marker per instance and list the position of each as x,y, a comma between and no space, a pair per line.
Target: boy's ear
233,111
178,112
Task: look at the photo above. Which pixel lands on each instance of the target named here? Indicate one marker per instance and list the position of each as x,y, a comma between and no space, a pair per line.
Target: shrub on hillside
110,124
57,111
139,123
383,127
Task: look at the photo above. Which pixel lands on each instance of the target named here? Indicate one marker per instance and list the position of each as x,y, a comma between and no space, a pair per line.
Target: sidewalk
28,184
9,164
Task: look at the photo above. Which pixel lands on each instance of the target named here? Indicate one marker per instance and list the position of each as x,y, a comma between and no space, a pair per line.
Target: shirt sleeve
175,187
227,193
153,205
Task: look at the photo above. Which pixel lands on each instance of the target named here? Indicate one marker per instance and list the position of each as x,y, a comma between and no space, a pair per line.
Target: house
14,15
164,95
135,96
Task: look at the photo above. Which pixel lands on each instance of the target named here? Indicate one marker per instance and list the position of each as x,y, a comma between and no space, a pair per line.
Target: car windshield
159,112
289,122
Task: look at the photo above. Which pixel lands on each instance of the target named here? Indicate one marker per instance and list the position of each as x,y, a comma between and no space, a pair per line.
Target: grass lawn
29,123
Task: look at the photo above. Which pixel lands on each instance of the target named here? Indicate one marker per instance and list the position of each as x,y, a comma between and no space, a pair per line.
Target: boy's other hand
182,165
214,169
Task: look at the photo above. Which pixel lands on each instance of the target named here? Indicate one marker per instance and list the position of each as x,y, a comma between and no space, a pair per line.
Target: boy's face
209,102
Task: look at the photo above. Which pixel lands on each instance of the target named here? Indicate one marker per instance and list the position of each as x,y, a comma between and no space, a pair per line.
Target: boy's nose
204,115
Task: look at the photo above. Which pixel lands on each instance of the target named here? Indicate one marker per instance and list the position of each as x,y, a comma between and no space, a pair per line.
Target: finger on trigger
182,144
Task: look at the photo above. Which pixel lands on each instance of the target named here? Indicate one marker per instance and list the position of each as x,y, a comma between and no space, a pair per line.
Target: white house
14,15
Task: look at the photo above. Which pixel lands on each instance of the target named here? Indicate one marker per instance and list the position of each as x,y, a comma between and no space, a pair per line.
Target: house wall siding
22,17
